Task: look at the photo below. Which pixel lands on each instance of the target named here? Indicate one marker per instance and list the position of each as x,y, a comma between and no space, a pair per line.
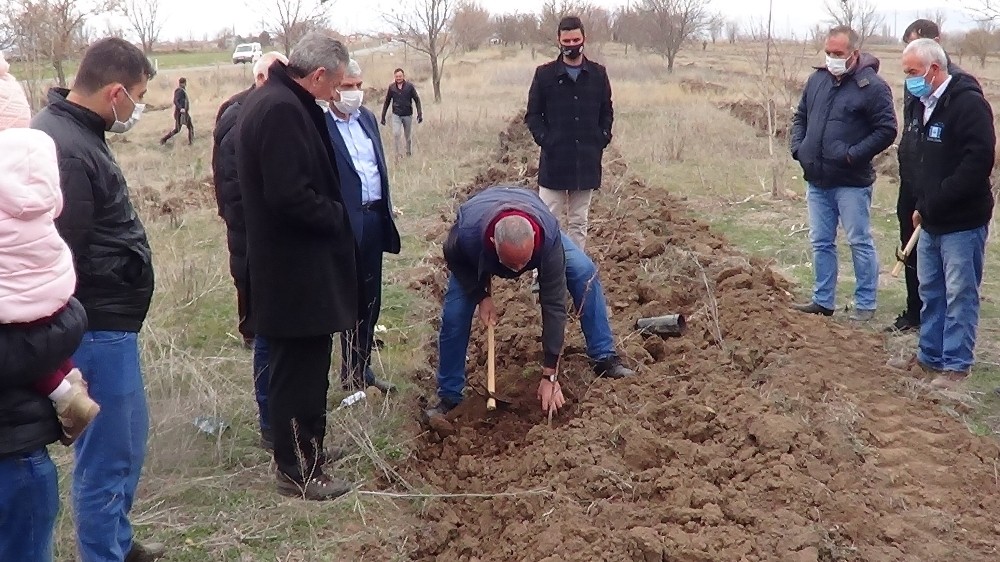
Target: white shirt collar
932,99
347,119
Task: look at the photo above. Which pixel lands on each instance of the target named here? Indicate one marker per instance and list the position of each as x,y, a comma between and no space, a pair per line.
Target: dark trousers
180,120
242,308
905,205
356,345
297,402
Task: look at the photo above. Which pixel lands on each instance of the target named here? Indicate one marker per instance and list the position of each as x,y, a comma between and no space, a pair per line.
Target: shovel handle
491,375
910,244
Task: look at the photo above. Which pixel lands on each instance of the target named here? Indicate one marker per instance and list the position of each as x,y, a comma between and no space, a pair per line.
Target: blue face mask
918,86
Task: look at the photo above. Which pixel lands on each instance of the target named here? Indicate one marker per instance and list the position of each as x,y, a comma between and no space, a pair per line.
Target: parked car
247,52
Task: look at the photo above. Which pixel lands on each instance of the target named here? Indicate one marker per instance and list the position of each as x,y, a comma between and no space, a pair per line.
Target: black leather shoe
904,323
442,409
813,308
145,552
385,386
612,368
319,488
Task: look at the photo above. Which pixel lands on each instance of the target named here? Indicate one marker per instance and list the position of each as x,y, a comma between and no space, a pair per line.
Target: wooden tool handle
910,244
491,375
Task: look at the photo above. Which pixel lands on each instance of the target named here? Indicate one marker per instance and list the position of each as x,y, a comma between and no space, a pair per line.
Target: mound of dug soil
760,435
176,197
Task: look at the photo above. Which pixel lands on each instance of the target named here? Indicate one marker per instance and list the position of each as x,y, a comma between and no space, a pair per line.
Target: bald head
264,63
514,238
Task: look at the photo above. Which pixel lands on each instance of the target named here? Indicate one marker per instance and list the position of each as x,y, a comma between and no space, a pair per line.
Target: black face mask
572,52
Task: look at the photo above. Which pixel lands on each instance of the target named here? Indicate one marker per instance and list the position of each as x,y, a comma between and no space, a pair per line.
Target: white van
247,52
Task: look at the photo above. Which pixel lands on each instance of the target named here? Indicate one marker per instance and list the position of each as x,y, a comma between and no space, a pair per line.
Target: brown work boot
949,380
76,409
319,488
911,363
145,552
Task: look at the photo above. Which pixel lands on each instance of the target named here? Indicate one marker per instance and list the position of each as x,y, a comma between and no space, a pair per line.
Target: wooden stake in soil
491,380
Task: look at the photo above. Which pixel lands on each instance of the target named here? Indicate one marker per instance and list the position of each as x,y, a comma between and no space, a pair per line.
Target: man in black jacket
300,251
403,96
906,202
570,116
844,119
955,154
29,496
114,283
182,113
227,194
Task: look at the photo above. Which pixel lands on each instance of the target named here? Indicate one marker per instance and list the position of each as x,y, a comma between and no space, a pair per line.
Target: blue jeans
851,207
261,380
29,503
110,453
456,321
950,268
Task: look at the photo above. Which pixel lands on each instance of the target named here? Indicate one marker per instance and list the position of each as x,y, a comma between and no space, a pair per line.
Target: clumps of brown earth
175,198
755,114
760,435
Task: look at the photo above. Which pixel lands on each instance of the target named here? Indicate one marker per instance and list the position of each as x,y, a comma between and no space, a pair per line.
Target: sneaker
76,409
904,323
858,315
385,386
813,308
612,368
949,380
319,488
145,552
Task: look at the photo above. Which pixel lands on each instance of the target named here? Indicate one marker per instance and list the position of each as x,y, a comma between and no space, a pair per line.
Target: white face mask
350,101
120,127
323,104
837,67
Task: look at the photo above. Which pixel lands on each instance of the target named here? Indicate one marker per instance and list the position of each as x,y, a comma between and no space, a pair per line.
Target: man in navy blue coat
364,185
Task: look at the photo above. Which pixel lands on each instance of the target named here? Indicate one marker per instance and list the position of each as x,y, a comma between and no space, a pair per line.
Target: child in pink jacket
36,267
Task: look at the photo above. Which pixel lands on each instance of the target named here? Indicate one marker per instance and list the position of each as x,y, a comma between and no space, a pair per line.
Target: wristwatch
550,378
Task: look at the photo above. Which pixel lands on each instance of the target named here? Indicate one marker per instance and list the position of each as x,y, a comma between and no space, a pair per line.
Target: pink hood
36,266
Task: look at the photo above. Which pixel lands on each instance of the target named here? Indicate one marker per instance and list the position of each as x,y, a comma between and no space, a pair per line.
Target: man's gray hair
513,230
928,51
315,51
266,60
353,69
852,36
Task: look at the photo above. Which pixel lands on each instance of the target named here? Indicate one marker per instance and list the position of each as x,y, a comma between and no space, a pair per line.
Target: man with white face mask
364,184
844,119
114,283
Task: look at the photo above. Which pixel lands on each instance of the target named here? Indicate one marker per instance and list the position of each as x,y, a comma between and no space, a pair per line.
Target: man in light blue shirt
364,185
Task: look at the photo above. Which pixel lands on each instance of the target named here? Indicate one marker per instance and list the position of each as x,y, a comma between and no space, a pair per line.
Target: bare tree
424,25
714,27
732,31
52,29
980,42
627,27
860,15
506,28
290,20
471,25
670,23
146,20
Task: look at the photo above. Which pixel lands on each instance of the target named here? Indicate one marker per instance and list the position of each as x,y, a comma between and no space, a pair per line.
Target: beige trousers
575,204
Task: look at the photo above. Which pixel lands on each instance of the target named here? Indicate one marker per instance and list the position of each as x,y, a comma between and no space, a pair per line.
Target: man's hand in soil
550,394
916,219
487,311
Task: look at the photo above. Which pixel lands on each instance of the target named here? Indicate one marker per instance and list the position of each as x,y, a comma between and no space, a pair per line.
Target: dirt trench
761,435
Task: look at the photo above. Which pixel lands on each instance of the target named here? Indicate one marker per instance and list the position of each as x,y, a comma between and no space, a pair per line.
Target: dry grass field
210,498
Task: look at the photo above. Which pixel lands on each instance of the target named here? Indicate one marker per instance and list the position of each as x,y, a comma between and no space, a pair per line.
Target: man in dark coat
570,116
364,184
402,95
300,251
230,202
954,153
29,497
115,280
505,232
182,113
844,119
906,203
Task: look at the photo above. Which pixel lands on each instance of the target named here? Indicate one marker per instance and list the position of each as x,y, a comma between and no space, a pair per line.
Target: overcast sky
198,17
